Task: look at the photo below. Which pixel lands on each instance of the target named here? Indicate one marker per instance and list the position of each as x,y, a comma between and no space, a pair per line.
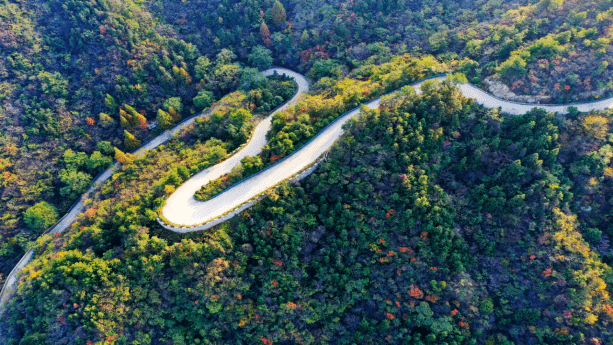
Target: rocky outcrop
502,91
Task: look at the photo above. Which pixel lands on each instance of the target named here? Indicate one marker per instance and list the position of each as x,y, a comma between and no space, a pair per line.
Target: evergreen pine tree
124,122
185,76
110,103
164,119
278,13
264,32
129,109
142,121
123,158
127,117
105,120
304,40
176,117
135,117
130,141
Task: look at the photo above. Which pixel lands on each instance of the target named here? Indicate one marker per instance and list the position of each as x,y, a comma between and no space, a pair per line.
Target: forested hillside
539,48
433,220
79,78
86,76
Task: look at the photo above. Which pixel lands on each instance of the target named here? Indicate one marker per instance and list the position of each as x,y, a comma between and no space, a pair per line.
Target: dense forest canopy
433,220
89,75
80,78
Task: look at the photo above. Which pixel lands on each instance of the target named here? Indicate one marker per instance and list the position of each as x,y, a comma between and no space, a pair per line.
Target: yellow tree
105,120
130,140
185,75
124,118
142,121
135,118
123,158
164,119
264,32
174,114
595,126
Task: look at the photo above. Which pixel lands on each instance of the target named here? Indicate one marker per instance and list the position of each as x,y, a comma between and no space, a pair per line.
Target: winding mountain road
182,208
78,207
513,108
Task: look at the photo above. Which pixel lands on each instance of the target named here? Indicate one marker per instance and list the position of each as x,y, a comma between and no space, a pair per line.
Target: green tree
278,13
577,18
473,47
111,103
97,160
470,68
304,39
40,216
225,57
251,165
592,235
251,78
325,68
239,116
515,65
549,5
487,306
105,147
458,78
183,172
202,67
260,57
74,160
76,182
33,339
204,99
227,77
545,47
189,50
438,41
53,83
175,103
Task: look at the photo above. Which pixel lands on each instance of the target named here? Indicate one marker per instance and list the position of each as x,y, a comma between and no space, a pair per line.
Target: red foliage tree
414,291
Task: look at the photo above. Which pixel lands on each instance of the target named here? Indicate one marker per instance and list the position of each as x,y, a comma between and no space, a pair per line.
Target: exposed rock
596,94
500,90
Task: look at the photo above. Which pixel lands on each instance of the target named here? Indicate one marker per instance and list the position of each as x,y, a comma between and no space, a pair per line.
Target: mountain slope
434,220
